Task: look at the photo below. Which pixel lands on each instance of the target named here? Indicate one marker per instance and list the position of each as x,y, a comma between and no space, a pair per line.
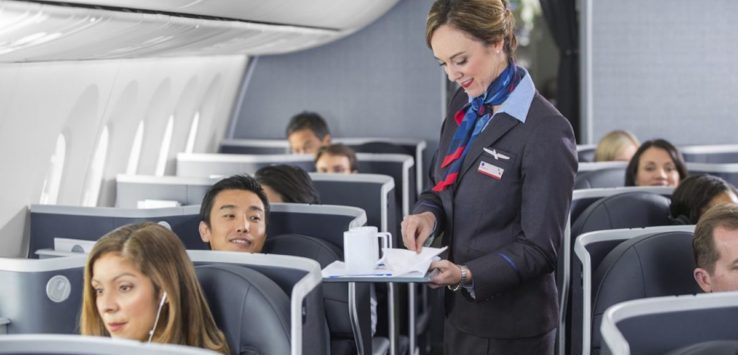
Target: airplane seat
335,295
382,148
251,310
653,265
606,177
708,348
627,210
41,295
586,153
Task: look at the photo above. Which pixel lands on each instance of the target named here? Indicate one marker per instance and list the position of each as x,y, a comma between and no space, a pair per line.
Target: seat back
586,152
327,221
131,189
344,325
590,249
384,145
91,223
371,192
250,309
729,172
691,324
627,210
581,200
606,177
716,154
299,278
254,146
41,344
654,265
41,296
206,165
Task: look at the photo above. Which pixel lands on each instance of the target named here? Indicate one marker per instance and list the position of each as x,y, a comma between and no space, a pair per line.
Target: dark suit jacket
507,231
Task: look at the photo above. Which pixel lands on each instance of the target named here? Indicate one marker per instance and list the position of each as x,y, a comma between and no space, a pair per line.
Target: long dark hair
632,170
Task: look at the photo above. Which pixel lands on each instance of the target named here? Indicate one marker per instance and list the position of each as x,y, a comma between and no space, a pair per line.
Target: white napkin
403,261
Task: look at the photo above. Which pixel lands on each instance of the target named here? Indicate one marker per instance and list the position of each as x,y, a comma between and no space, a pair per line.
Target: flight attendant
502,186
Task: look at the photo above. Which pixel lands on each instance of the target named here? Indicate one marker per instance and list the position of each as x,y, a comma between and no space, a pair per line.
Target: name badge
490,170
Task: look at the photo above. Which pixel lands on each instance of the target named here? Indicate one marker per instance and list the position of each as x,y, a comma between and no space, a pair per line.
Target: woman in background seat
286,183
617,145
656,163
697,194
140,284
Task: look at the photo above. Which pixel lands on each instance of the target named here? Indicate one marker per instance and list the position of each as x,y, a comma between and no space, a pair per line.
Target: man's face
725,275
237,222
333,164
305,141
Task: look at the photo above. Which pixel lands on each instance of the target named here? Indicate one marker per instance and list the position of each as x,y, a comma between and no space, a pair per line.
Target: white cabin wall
40,100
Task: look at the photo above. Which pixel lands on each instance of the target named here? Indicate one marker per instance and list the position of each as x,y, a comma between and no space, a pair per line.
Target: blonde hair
488,21
613,143
159,254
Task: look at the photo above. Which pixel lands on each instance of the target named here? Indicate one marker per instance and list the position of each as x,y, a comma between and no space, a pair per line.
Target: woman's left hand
445,273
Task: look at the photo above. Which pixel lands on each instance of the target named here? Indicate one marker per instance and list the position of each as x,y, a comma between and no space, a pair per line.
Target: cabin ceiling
107,29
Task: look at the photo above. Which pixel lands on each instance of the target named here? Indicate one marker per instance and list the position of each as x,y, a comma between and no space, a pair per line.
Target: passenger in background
307,132
286,183
715,247
233,215
506,162
616,146
336,159
656,163
140,284
697,194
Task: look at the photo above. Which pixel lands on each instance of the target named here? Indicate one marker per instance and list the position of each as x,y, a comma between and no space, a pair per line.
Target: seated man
307,132
715,247
336,159
233,215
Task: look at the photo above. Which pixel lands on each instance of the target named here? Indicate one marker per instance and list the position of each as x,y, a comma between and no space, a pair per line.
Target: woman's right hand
416,228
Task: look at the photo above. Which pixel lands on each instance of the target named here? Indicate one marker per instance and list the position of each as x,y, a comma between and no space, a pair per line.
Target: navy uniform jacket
507,229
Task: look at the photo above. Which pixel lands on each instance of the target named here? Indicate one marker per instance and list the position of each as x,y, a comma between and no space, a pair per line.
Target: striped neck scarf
476,115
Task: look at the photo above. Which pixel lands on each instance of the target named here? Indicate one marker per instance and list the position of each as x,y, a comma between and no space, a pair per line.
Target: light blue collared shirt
518,103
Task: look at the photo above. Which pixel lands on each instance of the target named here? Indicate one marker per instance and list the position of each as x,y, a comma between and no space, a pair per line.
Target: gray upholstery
586,153
607,177
317,220
91,223
370,192
708,348
649,266
252,311
335,295
42,344
626,210
41,296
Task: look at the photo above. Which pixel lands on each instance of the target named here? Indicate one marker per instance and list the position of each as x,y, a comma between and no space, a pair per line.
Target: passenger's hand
416,228
444,273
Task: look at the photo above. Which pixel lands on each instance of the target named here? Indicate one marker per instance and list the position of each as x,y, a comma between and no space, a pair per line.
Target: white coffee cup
360,251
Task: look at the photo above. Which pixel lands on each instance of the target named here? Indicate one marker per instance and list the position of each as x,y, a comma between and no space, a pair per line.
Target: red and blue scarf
476,116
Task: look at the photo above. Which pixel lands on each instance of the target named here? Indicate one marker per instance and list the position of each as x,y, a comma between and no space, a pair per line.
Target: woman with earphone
138,283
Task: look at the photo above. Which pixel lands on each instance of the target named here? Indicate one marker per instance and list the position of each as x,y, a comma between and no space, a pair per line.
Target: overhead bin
51,31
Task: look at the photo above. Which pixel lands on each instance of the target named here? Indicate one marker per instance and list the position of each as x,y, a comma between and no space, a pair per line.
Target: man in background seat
715,248
307,132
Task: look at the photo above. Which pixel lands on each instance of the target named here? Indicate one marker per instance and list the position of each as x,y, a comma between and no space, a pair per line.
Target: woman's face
125,297
272,196
467,61
656,168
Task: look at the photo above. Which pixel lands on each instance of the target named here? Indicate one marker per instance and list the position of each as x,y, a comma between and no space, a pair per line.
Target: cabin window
52,182
135,149
95,174
190,147
166,141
